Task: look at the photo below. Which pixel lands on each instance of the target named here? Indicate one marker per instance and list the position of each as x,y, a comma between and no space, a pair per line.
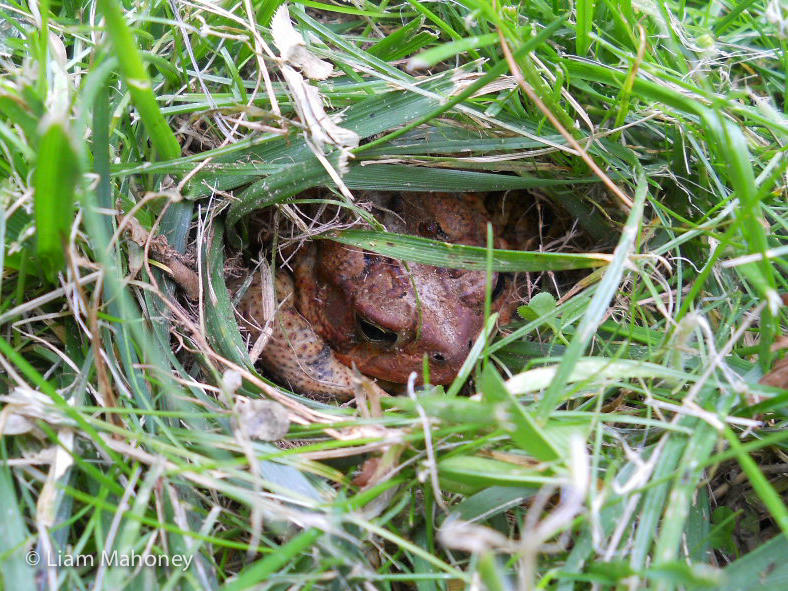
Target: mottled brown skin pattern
384,315
294,353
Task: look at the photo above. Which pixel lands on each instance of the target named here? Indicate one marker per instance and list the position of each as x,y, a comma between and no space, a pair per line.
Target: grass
621,438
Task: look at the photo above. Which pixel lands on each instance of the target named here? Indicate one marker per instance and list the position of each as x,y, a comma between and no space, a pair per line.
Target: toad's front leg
295,354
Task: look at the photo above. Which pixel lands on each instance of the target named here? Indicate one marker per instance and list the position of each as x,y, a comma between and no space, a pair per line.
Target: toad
347,307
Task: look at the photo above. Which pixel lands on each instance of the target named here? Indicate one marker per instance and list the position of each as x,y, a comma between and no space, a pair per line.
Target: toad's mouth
397,366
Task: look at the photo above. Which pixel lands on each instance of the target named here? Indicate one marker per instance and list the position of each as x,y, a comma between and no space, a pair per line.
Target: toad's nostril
438,357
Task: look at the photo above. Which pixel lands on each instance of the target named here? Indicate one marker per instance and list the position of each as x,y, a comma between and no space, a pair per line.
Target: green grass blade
721,24
476,472
494,73
435,19
219,316
16,572
55,179
138,82
523,430
399,43
458,256
260,571
585,19
762,487
400,177
734,152
760,570
596,310
439,53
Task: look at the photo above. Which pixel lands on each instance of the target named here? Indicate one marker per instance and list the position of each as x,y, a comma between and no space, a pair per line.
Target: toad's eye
375,334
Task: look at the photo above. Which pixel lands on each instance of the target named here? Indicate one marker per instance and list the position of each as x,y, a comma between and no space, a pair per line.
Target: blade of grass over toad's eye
56,174
459,256
136,77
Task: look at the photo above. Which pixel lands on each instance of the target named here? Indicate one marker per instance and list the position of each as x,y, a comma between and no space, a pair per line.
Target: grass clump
622,436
